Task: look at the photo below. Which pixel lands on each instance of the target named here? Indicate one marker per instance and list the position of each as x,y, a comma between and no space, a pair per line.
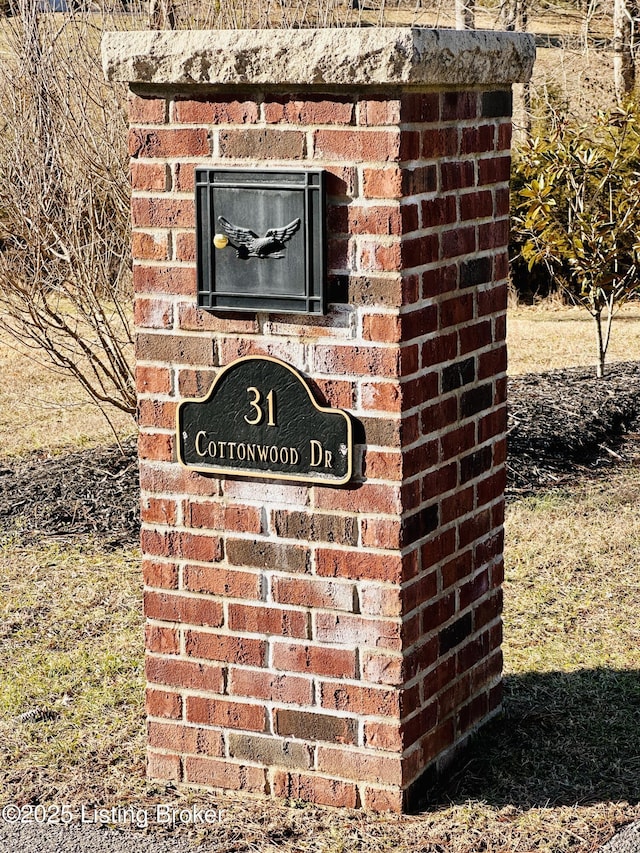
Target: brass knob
220,241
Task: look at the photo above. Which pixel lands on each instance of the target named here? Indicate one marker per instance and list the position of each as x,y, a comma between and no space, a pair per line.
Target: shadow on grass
563,739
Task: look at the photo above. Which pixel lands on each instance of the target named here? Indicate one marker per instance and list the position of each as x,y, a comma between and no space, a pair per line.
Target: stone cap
368,56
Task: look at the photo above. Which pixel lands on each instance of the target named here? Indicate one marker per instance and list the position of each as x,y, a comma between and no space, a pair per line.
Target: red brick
205,549
439,142
383,800
341,181
308,592
185,673
226,713
192,318
491,488
369,497
184,177
169,143
494,170
381,396
165,641
185,246
380,465
455,311
169,607
158,447
247,651
358,360
146,110
385,736
493,235
505,132
458,105
149,176
268,620
359,565
477,140
154,247
457,175
461,241
419,391
357,699
159,510
316,660
153,380
409,145
207,111
156,413
381,533
358,146
163,703
194,383
257,684
165,767
159,212
181,739
168,280
437,741
382,183
380,668
152,313
218,515
262,144
315,789
357,630
374,256
476,205
337,393
380,111
422,250
475,528
175,349
313,111
222,773
219,580
381,327
382,220
360,766
156,573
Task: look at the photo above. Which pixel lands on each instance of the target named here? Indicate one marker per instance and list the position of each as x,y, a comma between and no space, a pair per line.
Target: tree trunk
162,15
597,318
465,14
624,73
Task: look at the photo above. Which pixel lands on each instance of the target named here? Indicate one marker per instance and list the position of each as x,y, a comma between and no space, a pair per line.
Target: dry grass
49,412
549,336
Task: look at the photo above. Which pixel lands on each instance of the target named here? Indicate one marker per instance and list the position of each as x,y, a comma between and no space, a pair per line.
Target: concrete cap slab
370,56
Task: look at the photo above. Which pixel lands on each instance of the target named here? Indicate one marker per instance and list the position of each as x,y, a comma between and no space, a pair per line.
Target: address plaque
260,419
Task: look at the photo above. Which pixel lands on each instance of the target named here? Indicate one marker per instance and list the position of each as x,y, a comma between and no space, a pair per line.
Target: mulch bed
562,425
566,423
92,491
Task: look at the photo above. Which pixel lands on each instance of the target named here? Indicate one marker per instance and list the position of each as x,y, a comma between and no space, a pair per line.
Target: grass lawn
559,771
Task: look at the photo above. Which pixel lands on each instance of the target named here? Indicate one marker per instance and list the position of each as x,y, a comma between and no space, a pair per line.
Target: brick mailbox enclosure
331,644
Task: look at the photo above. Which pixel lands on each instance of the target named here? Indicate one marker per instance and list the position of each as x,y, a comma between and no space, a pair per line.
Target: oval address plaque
260,419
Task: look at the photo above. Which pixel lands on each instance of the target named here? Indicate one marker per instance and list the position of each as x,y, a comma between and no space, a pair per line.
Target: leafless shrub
64,202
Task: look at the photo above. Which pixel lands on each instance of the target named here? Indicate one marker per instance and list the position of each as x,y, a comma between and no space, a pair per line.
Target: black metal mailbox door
261,240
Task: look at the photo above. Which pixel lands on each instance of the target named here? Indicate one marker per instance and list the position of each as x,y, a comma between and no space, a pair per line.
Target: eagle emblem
249,245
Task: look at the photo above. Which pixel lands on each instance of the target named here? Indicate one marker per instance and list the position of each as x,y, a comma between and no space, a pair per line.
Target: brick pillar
329,643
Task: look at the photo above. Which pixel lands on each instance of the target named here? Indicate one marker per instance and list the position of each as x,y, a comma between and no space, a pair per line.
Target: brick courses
309,642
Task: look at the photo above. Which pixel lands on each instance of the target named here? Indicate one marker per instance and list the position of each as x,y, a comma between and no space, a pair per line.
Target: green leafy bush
576,203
